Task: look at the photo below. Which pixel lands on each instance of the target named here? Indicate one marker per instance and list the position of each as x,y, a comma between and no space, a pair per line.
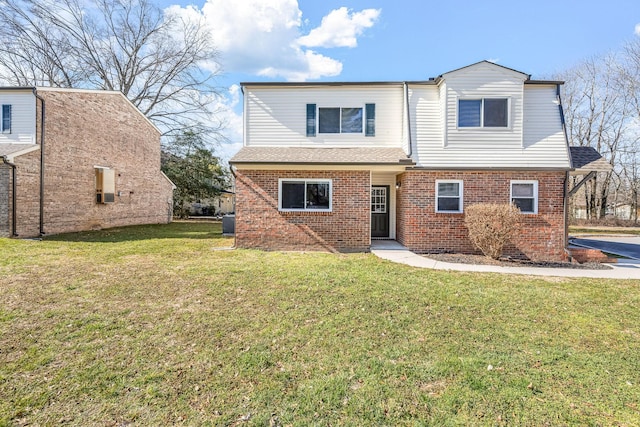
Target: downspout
406,100
566,178
13,195
235,239
41,161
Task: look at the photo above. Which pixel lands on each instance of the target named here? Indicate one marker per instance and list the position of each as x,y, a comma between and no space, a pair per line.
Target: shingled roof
587,159
334,156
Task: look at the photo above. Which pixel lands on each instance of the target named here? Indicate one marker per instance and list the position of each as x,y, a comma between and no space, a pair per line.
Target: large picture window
524,194
484,112
449,196
305,194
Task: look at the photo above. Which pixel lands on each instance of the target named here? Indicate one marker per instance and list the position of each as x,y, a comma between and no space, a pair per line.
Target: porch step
582,255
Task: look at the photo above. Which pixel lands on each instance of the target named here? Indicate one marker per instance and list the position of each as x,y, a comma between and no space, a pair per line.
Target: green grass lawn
159,325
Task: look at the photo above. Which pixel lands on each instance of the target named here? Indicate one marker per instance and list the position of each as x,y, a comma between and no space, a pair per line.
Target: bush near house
491,226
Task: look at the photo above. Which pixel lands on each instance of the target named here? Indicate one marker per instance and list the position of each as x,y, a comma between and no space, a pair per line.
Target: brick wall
87,129
259,224
27,194
5,175
423,230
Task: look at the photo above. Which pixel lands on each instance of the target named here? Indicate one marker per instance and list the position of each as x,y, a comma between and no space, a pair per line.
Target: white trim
306,181
460,194
11,157
535,194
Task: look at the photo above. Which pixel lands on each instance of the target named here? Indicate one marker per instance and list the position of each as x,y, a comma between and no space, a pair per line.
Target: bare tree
597,115
155,58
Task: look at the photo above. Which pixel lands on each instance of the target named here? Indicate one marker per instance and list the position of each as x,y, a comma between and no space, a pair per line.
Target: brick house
73,160
331,166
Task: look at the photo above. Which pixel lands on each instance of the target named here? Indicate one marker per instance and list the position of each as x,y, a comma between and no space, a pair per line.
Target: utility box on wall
105,185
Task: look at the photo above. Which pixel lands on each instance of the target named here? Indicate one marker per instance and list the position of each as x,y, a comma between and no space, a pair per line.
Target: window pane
469,112
451,189
293,195
352,120
525,205
317,195
495,112
522,190
448,204
329,120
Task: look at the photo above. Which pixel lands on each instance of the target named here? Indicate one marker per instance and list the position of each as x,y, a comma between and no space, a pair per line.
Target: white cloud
637,29
225,107
340,28
263,37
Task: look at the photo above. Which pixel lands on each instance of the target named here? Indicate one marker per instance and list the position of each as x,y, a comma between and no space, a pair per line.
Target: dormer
483,103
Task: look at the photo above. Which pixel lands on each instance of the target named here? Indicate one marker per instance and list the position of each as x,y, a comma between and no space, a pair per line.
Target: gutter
13,195
42,115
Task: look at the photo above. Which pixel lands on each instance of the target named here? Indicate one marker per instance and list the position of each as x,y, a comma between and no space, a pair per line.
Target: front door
380,211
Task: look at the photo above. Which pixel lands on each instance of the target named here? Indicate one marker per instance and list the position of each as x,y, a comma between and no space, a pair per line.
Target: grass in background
159,325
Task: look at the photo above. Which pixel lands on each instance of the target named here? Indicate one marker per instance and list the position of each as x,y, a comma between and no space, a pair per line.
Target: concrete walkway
395,252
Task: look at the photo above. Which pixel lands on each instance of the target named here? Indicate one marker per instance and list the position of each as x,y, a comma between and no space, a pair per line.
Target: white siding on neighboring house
276,115
23,116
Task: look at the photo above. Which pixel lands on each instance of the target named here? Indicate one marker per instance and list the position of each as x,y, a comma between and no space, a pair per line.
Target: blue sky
373,40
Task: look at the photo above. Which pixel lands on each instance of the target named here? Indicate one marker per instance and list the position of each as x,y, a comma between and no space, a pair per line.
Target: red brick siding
423,230
259,224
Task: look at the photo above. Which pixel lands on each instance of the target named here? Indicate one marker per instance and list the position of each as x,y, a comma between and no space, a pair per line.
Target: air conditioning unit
105,185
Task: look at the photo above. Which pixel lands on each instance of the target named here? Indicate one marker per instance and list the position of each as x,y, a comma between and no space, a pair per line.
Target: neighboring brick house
331,166
73,160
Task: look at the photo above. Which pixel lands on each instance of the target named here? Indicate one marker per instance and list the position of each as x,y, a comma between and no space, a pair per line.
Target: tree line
601,99
159,59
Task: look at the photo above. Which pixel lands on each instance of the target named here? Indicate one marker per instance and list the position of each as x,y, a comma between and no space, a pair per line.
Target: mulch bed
509,262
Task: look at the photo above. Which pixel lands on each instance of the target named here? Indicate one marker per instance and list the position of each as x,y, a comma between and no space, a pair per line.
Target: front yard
159,325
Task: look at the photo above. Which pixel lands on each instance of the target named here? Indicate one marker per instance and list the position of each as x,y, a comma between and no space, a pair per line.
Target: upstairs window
524,194
305,194
484,112
6,119
341,120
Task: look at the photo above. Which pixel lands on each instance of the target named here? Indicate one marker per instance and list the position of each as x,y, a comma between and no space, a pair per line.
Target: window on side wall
524,194
6,118
305,195
449,196
483,113
105,185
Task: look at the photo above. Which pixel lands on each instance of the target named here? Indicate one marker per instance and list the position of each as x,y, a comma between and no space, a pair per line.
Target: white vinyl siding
534,140
277,116
23,116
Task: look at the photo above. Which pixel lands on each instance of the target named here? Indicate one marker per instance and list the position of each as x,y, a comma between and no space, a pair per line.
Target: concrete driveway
621,245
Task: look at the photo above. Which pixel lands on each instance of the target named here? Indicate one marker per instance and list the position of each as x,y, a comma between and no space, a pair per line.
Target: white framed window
337,120
524,194
483,113
449,196
305,195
